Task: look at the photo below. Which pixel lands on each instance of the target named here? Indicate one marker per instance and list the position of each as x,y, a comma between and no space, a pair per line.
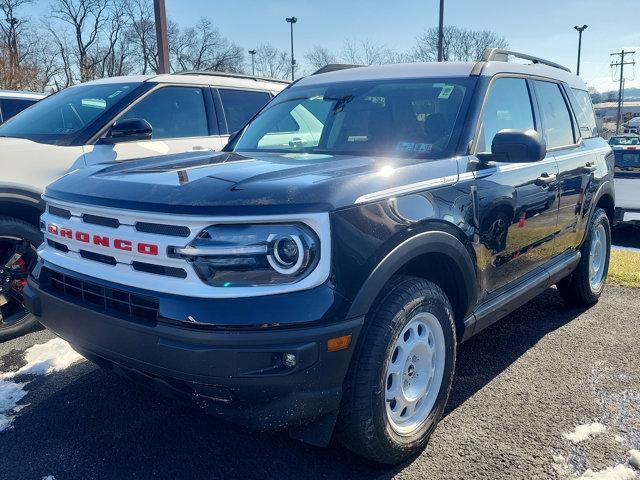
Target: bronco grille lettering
103,240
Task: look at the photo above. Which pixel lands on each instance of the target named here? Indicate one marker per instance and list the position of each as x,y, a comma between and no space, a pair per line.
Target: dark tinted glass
13,106
241,105
173,112
507,106
556,121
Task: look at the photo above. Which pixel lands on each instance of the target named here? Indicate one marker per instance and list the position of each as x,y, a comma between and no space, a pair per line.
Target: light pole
253,61
162,36
580,30
292,20
441,32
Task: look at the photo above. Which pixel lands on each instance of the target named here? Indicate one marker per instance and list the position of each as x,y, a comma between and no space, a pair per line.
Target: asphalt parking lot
519,387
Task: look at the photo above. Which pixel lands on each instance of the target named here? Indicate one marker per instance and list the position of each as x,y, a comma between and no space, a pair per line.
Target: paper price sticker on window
445,93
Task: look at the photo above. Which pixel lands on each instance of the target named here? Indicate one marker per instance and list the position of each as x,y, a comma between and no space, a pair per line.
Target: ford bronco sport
102,121
319,274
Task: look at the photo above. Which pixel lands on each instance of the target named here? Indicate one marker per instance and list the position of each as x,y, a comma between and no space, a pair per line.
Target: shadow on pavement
626,236
88,423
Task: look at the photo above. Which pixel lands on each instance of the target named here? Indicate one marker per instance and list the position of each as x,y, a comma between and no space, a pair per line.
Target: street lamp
580,30
441,32
292,20
253,61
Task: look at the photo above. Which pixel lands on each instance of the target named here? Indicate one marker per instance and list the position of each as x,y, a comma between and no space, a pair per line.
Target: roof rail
502,55
334,67
231,75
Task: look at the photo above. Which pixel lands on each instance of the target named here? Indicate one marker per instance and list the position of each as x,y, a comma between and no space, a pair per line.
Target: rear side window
507,106
173,112
581,103
11,107
556,120
241,105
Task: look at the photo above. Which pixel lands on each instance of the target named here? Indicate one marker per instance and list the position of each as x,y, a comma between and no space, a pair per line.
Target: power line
621,64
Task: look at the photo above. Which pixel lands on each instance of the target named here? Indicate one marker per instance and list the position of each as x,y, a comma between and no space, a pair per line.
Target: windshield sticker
414,147
446,91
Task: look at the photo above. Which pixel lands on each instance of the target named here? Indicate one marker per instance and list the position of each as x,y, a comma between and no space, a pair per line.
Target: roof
201,78
20,94
442,70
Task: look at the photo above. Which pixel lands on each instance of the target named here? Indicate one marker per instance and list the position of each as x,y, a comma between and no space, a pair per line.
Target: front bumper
239,374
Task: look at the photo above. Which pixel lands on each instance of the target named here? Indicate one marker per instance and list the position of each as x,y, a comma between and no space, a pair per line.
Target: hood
12,144
231,183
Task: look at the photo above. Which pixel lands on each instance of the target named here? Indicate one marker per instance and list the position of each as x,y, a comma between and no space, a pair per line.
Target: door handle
545,179
590,167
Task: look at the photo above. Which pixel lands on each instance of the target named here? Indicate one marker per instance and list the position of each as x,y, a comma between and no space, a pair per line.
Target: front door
182,119
516,202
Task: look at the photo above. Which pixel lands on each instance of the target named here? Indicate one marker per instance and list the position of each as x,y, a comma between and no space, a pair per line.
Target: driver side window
508,105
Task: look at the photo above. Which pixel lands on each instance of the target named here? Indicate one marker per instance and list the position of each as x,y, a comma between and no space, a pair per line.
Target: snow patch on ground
584,432
634,461
42,359
619,472
10,394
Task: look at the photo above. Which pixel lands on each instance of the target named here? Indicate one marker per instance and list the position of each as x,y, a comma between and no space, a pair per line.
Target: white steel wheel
597,257
414,373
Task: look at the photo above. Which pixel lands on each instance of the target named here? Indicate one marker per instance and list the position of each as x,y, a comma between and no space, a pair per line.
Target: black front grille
162,229
59,212
98,257
104,221
126,305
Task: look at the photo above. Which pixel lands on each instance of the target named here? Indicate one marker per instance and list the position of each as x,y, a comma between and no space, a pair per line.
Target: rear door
182,117
576,160
517,202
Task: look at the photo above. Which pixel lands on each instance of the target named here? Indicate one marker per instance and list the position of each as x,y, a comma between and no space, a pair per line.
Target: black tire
14,321
576,289
364,426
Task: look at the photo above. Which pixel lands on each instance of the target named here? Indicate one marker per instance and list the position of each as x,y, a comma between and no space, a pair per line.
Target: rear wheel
401,374
586,283
18,243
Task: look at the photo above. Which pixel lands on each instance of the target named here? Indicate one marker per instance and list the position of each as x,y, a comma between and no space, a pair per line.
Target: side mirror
129,130
516,146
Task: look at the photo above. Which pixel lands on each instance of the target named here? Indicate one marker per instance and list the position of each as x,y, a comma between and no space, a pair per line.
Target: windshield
60,117
386,117
624,141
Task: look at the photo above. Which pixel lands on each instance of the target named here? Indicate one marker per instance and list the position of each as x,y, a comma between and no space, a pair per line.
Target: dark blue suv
319,274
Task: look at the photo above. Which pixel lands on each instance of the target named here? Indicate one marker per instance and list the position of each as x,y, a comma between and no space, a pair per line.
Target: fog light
289,360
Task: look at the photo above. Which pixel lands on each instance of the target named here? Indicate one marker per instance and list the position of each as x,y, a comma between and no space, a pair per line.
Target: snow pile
52,356
634,461
619,472
584,432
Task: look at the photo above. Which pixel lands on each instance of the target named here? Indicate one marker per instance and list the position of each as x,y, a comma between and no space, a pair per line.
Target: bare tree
17,46
319,57
142,34
459,44
202,47
87,19
272,62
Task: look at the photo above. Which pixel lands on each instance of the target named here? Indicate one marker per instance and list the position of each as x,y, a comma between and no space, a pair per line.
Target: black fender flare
22,196
420,244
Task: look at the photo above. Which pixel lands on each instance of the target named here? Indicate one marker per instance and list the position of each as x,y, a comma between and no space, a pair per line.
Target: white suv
13,102
102,121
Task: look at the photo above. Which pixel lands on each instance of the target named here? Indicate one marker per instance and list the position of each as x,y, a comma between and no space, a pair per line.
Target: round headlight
287,254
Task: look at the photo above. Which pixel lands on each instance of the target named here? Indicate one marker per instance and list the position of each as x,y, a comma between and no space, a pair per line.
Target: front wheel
18,243
399,380
586,283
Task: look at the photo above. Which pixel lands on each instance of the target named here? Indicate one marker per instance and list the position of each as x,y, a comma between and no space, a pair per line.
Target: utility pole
580,30
292,20
162,36
441,33
621,64
253,61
